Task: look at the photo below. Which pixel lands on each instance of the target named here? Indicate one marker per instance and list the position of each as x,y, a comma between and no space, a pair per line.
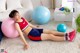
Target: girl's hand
26,46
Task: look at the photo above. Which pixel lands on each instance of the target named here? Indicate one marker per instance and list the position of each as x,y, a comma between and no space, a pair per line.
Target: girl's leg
51,37
53,32
58,33
47,36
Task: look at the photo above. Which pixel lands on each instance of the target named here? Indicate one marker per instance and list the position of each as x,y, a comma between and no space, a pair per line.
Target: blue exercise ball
61,28
41,15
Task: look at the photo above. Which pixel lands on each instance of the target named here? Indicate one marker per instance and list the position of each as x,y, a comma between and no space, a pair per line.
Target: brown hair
13,13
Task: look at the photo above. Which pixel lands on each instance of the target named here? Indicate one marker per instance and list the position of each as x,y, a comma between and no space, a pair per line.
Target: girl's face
17,16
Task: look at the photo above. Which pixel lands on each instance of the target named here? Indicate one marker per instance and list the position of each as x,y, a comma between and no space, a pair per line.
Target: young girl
35,34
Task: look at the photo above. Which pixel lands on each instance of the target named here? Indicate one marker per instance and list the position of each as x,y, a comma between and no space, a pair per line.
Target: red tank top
23,24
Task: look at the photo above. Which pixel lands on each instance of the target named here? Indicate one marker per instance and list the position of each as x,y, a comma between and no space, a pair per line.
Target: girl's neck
19,20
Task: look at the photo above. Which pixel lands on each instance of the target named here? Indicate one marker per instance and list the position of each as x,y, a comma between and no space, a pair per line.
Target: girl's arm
21,34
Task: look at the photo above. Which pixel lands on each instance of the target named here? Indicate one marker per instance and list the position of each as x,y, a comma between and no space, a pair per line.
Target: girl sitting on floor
36,34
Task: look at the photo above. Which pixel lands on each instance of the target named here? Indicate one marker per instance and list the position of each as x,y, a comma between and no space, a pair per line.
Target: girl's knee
51,36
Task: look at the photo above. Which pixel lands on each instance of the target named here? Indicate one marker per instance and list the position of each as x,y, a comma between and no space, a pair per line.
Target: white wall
77,8
58,3
46,3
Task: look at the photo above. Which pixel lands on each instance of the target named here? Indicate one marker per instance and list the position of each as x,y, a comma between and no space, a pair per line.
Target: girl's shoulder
22,18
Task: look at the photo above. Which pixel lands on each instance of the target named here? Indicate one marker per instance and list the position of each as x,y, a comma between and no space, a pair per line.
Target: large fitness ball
8,28
41,15
61,28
